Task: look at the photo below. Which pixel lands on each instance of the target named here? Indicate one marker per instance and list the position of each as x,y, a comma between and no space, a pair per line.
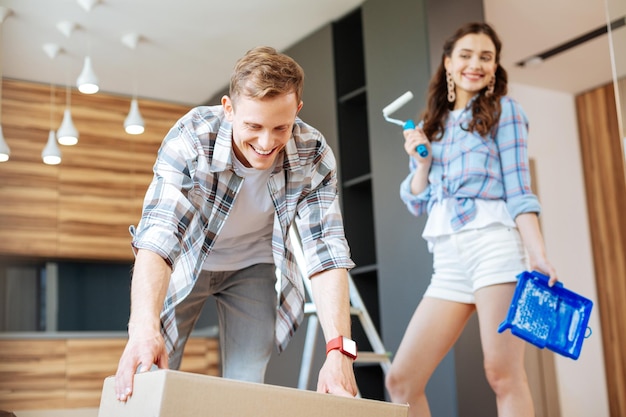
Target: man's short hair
263,72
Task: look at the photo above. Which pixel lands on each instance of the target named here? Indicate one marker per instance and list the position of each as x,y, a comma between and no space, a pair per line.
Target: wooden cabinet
62,373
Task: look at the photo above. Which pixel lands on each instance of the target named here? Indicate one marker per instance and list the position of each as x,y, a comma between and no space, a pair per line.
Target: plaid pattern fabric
193,190
467,166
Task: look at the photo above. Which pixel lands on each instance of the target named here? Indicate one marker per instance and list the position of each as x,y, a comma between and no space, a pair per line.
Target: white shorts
473,259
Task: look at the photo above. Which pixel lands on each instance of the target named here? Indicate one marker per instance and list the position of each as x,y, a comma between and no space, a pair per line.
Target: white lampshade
87,81
51,154
5,152
67,134
134,122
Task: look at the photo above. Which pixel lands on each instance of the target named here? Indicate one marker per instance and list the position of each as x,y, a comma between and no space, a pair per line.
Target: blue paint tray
548,317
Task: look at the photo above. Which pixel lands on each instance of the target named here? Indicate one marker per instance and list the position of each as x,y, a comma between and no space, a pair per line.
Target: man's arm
145,344
331,295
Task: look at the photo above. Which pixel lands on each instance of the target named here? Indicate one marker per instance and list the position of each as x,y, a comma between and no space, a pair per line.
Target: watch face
349,346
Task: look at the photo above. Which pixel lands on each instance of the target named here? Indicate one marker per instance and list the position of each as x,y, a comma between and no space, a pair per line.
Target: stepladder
378,355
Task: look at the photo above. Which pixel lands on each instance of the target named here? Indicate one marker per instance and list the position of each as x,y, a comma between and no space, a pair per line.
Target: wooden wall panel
80,209
40,374
88,362
605,184
32,375
202,356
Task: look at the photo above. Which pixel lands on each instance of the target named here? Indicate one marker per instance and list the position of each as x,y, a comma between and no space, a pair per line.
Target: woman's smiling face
472,65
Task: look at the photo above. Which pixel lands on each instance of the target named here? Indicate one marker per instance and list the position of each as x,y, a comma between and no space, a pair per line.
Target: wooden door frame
605,184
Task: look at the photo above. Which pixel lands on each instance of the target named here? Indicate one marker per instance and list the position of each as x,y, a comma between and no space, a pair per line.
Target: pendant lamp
87,81
67,134
134,122
5,151
133,125
51,154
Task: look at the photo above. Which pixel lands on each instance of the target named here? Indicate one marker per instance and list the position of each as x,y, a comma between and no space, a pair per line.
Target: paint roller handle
421,149
409,124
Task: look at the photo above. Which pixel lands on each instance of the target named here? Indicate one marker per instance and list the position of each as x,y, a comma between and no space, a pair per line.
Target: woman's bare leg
503,353
432,331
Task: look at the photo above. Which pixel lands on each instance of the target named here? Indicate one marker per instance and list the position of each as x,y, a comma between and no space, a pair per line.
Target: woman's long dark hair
485,110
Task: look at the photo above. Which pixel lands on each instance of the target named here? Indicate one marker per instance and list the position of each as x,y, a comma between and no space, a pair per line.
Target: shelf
348,53
357,181
353,94
363,269
356,186
354,147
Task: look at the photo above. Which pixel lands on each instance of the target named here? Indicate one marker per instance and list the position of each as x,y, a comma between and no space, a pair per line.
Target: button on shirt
192,193
466,167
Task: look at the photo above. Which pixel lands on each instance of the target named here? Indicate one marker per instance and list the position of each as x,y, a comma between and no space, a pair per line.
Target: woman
482,221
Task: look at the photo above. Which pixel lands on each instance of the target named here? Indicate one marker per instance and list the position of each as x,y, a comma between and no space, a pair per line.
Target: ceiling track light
586,37
87,81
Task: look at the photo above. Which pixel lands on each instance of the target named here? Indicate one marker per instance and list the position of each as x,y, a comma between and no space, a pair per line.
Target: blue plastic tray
548,317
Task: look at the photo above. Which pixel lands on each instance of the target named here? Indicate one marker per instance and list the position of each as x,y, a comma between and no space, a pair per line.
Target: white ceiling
530,27
188,47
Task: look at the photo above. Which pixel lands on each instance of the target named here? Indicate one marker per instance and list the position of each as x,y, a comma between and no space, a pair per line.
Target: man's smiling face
261,127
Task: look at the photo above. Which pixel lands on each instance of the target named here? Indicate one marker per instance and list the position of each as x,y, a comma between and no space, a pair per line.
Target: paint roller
395,105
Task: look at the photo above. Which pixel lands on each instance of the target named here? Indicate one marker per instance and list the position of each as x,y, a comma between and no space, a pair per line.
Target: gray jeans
246,303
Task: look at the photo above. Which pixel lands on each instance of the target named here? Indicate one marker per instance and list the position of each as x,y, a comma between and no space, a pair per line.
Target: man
229,181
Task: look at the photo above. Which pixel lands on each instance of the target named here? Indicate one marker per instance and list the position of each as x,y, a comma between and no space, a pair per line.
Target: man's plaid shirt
192,192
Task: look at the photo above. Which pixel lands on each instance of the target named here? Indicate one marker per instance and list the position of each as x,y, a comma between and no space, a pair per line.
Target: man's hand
145,346
337,375
143,349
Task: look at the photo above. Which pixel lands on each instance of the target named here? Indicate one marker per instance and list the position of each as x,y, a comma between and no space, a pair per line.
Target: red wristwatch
345,346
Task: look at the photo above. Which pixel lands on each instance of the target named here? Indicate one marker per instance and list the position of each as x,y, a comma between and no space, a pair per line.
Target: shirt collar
222,151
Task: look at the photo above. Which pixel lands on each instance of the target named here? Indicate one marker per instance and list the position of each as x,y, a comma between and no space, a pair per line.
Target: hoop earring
490,87
451,87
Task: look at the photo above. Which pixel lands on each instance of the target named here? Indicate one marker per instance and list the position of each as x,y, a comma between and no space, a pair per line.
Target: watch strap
338,343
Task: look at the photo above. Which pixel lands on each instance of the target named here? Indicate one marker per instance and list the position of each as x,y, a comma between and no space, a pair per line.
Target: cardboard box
167,393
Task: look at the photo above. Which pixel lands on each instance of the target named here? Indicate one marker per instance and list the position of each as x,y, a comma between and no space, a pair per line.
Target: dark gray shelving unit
356,183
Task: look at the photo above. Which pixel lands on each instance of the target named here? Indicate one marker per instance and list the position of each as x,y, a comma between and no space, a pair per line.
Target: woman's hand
412,139
528,226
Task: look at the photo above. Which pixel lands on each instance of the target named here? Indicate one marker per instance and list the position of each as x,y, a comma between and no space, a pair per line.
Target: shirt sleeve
416,204
319,218
512,140
168,204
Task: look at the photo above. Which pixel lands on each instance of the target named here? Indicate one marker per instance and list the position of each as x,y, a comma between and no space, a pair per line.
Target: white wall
554,145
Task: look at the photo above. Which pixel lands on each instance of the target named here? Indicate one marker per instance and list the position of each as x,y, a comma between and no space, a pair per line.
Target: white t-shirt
246,238
488,212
